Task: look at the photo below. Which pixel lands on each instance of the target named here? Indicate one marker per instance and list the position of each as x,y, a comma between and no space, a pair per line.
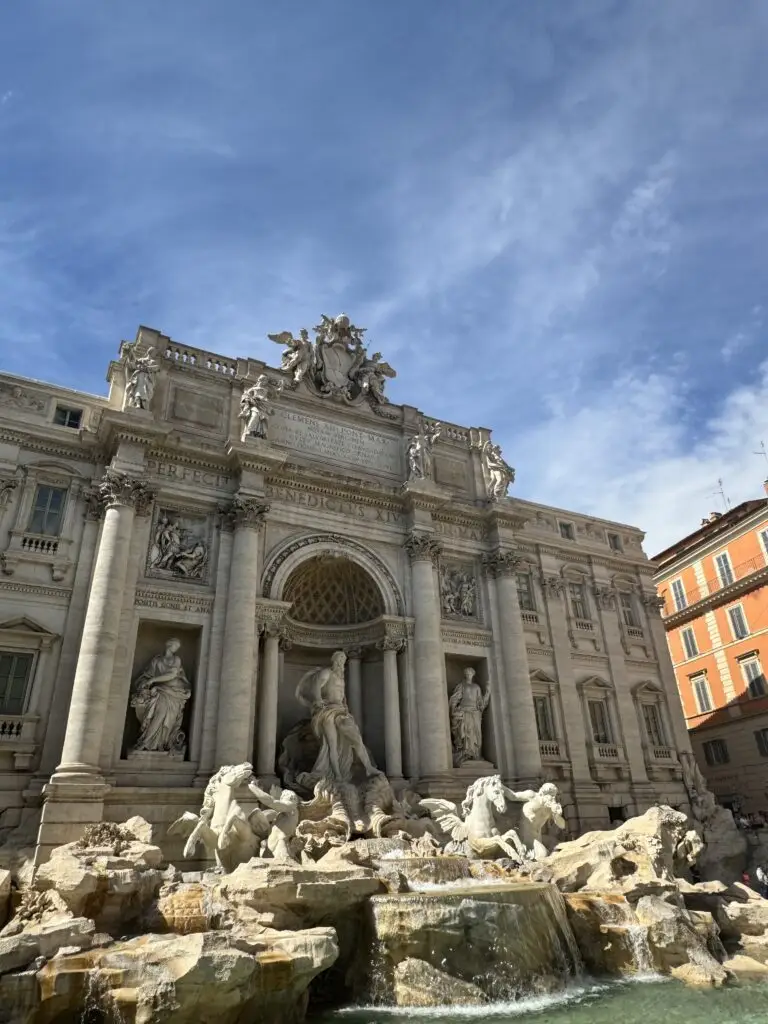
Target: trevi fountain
336,893
313,721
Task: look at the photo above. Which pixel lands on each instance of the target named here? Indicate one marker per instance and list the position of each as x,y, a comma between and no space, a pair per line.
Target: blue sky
552,216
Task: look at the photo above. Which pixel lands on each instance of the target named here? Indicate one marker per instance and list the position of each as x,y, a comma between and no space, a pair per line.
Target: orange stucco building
714,584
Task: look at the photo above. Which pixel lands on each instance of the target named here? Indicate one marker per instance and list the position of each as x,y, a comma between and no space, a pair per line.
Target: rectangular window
753,677
716,752
48,510
578,594
614,542
15,670
702,693
724,570
525,592
764,539
566,530
64,417
761,738
653,725
689,642
628,610
545,725
678,594
738,622
598,719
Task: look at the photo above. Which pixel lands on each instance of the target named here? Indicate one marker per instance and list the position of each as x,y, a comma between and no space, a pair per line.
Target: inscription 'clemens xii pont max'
354,445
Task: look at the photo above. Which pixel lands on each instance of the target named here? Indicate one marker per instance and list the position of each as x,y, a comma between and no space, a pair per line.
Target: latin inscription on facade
329,503
355,446
192,407
187,475
458,531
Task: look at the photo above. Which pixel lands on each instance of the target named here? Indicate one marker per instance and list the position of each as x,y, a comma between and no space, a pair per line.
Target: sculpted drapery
159,695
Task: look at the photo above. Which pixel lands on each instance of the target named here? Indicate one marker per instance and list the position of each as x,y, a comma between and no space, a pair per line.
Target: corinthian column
393,746
431,693
233,728
503,567
268,701
88,708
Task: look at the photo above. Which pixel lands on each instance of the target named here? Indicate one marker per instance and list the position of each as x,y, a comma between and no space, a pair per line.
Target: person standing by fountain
467,704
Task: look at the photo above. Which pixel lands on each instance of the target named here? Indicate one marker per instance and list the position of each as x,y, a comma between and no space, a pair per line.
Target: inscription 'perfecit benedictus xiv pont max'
288,513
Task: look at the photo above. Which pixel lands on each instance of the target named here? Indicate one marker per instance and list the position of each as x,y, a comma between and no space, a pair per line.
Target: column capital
422,547
653,603
553,586
243,512
354,652
391,643
605,596
117,488
503,563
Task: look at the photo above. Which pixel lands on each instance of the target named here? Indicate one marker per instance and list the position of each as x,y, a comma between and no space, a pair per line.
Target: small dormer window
614,542
65,417
566,530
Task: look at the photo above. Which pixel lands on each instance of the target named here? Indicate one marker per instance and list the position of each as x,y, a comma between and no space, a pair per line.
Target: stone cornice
718,597
35,589
83,449
346,491
505,518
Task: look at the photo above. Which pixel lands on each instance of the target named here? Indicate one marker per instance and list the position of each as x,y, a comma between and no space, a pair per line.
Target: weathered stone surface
310,892
606,931
745,968
5,896
634,858
724,855
701,976
505,940
44,940
417,983
672,937
170,979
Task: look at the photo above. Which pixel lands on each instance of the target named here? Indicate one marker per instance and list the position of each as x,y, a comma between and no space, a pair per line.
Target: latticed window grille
331,591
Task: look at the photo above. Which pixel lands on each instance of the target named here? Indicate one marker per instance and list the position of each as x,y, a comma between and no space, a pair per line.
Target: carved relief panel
179,546
458,591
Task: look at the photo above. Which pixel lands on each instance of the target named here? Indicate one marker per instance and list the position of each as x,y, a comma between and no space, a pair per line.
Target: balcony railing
188,356
531,618
11,727
711,586
607,752
585,624
39,544
635,632
549,748
662,754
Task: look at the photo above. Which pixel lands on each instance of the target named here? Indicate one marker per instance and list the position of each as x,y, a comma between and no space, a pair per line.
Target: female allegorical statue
159,695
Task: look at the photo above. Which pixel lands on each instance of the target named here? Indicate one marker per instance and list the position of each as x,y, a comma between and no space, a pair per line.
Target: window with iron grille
738,620
47,510
578,594
64,417
724,569
689,642
678,595
654,725
702,693
600,722
754,677
716,752
525,592
15,671
628,610
545,724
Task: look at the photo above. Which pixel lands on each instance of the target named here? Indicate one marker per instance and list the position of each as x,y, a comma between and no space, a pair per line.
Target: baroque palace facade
176,556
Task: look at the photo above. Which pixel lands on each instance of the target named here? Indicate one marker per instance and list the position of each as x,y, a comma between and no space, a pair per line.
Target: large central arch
283,563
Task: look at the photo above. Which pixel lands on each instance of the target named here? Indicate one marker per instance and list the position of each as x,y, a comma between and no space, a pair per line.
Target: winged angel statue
473,829
337,364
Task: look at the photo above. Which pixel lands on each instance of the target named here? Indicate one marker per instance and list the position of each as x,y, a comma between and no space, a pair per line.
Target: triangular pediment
650,686
24,624
597,682
538,675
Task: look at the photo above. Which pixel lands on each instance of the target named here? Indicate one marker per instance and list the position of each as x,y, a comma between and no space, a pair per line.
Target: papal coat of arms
336,364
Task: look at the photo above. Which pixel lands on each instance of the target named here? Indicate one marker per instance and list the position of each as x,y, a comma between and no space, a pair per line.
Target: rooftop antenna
720,491
763,451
